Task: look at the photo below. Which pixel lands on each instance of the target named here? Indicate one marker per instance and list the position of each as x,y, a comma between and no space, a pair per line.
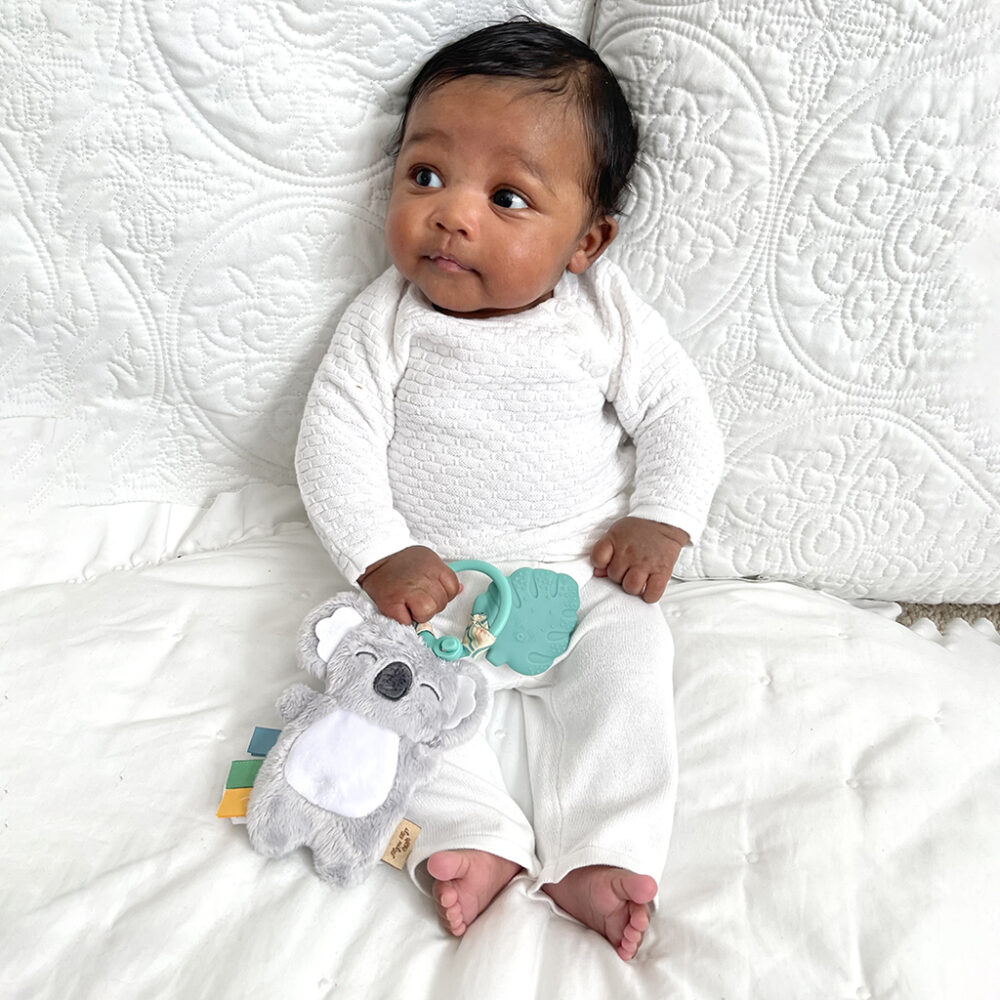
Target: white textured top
513,438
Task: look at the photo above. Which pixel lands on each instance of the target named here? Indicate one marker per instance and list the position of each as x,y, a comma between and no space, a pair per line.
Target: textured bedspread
836,833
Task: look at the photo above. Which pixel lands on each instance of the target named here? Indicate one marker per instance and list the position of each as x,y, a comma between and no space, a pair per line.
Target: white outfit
507,438
519,440
601,754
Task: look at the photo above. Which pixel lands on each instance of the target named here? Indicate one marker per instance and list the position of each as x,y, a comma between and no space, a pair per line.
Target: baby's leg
474,837
602,748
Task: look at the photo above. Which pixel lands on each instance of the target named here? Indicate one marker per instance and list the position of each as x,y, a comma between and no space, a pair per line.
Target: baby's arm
341,457
640,555
411,585
663,404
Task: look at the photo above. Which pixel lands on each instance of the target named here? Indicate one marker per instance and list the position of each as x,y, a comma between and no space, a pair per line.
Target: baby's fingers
655,587
601,555
423,606
432,596
449,584
634,581
648,586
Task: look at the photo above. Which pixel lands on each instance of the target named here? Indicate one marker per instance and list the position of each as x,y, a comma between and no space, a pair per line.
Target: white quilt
190,193
836,833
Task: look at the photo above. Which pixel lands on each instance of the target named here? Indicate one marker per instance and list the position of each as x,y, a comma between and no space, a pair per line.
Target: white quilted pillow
817,213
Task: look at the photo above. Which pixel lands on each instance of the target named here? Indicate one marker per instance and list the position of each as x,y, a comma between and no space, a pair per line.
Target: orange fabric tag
234,803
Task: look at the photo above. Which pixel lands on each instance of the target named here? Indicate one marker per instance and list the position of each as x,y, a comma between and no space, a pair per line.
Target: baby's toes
638,917
634,932
631,939
453,921
449,909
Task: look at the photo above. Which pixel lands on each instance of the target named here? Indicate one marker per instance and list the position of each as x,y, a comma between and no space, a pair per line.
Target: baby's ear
326,627
593,243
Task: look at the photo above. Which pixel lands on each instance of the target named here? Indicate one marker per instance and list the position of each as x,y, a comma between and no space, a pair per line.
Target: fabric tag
234,803
401,844
243,773
262,741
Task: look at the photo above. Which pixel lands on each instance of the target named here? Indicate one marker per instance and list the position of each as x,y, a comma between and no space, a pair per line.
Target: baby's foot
612,901
466,882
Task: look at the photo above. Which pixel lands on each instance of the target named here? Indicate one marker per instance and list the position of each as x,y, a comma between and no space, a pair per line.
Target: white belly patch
344,764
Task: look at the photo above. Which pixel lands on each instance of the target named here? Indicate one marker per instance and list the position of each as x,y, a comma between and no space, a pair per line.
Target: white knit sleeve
340,460
663,404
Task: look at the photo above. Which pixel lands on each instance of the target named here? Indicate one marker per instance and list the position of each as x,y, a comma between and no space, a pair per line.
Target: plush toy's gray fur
382,671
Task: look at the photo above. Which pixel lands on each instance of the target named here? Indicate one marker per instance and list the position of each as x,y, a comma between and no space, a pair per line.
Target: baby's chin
484,311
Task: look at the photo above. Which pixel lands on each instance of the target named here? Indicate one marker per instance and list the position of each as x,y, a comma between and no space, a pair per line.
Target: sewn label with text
401,844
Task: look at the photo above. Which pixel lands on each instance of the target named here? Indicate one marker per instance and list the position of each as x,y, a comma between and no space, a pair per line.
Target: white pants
601,754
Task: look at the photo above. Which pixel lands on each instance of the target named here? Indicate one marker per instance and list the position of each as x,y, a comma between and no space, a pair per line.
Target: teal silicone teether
543,616
528,619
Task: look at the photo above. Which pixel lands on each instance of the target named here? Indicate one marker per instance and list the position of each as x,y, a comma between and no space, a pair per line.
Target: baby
500,393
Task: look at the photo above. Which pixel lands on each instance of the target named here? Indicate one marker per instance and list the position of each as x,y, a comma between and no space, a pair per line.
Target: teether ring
450,647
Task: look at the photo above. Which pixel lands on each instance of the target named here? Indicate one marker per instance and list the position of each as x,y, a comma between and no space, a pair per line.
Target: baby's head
514,153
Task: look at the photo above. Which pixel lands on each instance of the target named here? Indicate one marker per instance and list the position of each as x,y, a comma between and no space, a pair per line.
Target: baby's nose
457,213
393,681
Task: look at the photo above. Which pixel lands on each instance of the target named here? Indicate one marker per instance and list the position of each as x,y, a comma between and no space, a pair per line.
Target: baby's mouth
446,263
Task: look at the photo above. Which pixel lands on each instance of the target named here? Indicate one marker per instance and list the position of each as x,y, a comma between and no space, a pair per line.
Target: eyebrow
422,136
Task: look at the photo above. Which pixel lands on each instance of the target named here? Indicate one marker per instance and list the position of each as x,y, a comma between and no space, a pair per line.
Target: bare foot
612,901
466,882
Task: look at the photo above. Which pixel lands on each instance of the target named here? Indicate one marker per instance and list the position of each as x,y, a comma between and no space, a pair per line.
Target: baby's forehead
431,119
561,100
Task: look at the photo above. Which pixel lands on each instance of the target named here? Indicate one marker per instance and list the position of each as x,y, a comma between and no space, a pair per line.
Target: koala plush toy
339,777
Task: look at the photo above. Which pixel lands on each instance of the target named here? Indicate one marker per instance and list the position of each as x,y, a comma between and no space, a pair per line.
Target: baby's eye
426,178
506,198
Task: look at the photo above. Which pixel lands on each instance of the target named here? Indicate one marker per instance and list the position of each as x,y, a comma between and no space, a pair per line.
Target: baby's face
488,207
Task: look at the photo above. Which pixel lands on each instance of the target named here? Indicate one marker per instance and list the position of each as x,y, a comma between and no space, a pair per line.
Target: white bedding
191,191
836,834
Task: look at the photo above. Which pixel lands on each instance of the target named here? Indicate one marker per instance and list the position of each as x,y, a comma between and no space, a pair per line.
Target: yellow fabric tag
234,803
401,844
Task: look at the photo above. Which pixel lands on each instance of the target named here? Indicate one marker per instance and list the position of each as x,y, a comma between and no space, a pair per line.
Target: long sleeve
348,422
663,404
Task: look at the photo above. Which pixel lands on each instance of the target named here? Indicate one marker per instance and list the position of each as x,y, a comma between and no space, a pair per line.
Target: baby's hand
640,555
411,585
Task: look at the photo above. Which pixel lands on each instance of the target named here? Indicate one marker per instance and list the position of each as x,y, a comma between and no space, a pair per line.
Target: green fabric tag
242,773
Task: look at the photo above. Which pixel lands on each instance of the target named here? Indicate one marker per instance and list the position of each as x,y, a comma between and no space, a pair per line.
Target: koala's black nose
393,680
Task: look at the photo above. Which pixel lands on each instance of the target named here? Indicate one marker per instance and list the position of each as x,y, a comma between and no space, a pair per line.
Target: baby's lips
448,263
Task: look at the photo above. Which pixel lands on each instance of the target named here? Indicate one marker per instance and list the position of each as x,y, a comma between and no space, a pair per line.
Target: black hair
557,62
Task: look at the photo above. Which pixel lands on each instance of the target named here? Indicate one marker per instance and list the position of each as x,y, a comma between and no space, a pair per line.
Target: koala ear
329,631
472,705
324,629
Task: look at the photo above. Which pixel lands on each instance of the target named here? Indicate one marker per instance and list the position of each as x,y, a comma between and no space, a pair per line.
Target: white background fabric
818,210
